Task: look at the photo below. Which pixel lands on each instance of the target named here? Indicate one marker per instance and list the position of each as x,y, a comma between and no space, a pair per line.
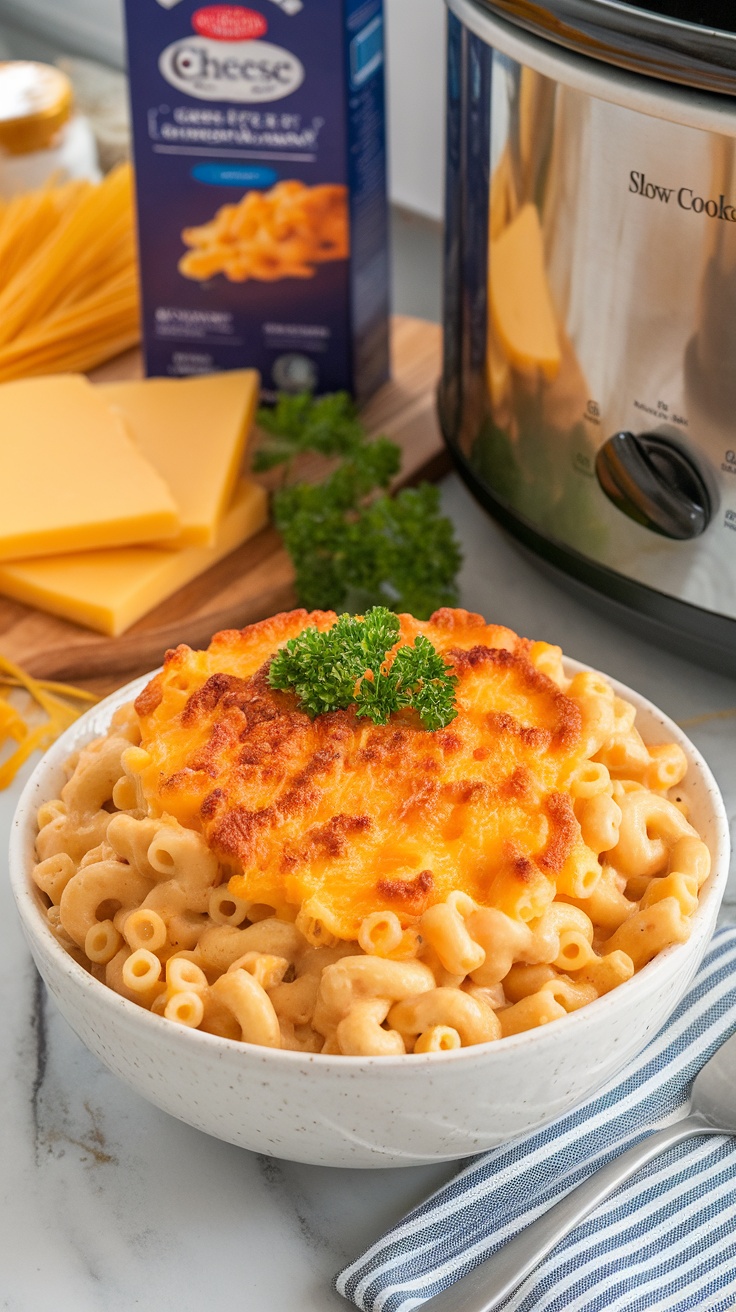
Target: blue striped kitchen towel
665,1240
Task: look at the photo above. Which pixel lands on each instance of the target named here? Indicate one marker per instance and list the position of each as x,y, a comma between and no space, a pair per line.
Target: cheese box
259,148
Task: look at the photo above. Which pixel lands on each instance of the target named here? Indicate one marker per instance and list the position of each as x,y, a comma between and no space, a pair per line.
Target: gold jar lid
35,102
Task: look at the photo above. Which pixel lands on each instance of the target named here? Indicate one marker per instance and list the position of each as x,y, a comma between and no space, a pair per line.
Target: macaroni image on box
334,886
282,233
261,185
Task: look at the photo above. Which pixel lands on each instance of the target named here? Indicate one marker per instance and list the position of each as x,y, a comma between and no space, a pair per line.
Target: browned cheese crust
357,817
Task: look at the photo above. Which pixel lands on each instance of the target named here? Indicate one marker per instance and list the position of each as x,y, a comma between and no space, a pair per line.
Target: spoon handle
486,1286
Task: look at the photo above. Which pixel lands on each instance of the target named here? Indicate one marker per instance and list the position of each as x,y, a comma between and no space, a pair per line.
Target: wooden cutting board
254,581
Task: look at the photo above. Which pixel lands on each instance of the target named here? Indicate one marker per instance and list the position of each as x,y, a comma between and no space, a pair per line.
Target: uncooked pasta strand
76,245
68,278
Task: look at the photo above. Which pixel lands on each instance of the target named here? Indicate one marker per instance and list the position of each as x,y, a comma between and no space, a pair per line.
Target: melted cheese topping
348,818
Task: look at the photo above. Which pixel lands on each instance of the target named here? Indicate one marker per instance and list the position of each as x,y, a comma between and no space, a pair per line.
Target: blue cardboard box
259,145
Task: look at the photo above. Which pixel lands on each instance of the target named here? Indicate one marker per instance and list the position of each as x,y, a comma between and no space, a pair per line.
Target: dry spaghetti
68,278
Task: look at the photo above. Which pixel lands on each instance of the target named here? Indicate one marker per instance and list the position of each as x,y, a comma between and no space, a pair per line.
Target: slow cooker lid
716,14
691,42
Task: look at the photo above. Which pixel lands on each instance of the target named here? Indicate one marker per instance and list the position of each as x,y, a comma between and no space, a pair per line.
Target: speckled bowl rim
27,901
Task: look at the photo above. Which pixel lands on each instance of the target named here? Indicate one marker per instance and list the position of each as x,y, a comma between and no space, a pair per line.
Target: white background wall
416,96
415,41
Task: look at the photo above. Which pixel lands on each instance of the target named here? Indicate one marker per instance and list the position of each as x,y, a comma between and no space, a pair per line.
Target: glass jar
40,133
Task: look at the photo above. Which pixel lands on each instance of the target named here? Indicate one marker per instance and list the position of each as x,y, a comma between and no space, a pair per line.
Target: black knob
654,483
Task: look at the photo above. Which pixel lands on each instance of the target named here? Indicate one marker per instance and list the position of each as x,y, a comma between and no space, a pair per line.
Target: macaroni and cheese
335,886
268,235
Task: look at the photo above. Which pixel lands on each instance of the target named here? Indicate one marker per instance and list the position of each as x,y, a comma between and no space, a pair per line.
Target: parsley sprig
352,544
347,666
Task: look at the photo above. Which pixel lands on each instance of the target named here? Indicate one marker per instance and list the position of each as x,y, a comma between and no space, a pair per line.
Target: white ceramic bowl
368,1111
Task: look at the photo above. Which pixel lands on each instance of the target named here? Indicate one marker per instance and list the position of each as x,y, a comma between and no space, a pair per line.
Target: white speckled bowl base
367,1112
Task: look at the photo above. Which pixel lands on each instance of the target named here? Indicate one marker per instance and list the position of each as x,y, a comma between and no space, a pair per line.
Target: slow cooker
588,392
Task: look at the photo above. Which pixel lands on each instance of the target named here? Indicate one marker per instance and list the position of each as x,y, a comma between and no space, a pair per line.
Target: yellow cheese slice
521,304
70,477
193,431
110,590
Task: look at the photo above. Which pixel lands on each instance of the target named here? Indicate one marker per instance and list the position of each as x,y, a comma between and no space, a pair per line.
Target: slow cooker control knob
650,479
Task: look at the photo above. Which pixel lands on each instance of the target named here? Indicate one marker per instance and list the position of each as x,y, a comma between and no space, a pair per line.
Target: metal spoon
712,1111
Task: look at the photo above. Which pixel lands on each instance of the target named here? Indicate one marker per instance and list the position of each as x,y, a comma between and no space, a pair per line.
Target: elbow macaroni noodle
269,235
146,905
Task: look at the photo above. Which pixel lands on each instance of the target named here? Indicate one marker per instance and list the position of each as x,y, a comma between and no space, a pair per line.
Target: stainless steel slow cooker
588,393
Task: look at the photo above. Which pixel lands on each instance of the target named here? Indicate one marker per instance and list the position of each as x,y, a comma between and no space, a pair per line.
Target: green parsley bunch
347,666
351,543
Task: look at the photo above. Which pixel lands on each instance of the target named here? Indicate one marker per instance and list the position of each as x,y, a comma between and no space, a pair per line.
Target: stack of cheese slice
113,496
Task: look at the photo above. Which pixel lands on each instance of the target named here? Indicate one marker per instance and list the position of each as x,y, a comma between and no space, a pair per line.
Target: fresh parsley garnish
301,423
351,543
348,665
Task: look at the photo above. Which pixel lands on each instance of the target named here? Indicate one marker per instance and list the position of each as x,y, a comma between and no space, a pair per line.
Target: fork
712,1111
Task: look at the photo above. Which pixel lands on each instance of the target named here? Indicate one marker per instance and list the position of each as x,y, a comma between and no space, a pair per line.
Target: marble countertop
108,1203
